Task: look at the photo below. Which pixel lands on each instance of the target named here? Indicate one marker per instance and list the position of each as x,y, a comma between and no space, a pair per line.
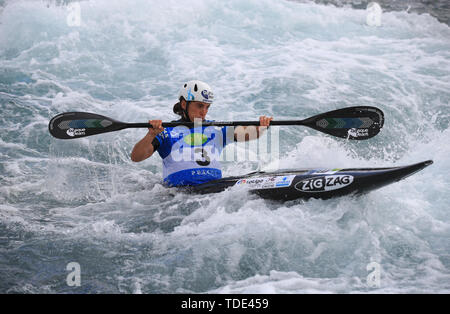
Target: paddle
355,123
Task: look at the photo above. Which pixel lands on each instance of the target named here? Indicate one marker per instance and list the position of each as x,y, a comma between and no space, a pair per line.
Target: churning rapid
85,202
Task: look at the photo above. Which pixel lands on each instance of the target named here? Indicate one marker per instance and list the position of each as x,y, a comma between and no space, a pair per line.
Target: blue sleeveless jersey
191,156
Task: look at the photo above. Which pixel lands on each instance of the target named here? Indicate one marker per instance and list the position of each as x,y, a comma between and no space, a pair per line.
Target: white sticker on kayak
324,171
324,183
266,182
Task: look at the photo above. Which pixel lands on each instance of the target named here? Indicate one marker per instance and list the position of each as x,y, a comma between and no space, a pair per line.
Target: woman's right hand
156,127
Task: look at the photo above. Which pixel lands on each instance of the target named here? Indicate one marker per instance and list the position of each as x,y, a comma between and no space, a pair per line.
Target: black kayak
287,185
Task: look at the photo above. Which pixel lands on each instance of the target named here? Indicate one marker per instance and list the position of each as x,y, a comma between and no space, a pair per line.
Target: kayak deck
287,185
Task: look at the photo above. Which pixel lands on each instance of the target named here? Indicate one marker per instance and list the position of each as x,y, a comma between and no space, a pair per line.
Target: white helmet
196,91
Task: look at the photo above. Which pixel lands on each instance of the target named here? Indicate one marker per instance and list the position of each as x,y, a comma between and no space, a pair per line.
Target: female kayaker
191,156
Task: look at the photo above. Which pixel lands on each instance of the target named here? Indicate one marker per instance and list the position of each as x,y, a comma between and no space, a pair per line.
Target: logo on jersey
195,139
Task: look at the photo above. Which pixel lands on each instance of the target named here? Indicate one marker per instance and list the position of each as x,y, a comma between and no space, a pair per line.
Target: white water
84,200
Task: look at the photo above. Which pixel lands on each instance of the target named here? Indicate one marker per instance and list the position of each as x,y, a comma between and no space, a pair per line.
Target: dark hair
177,109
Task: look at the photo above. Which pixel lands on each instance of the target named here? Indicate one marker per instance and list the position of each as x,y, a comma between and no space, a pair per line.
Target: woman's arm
144,148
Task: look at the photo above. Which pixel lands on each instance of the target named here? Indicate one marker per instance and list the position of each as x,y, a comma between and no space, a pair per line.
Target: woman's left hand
264,121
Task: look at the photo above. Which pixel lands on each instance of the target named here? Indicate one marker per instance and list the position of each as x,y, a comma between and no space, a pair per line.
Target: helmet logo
207,95
190,96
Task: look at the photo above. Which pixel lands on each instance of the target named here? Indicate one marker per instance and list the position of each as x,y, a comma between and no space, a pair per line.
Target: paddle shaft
215,123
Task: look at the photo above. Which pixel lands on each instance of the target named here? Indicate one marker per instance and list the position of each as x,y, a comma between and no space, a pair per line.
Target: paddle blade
354,123
71,125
